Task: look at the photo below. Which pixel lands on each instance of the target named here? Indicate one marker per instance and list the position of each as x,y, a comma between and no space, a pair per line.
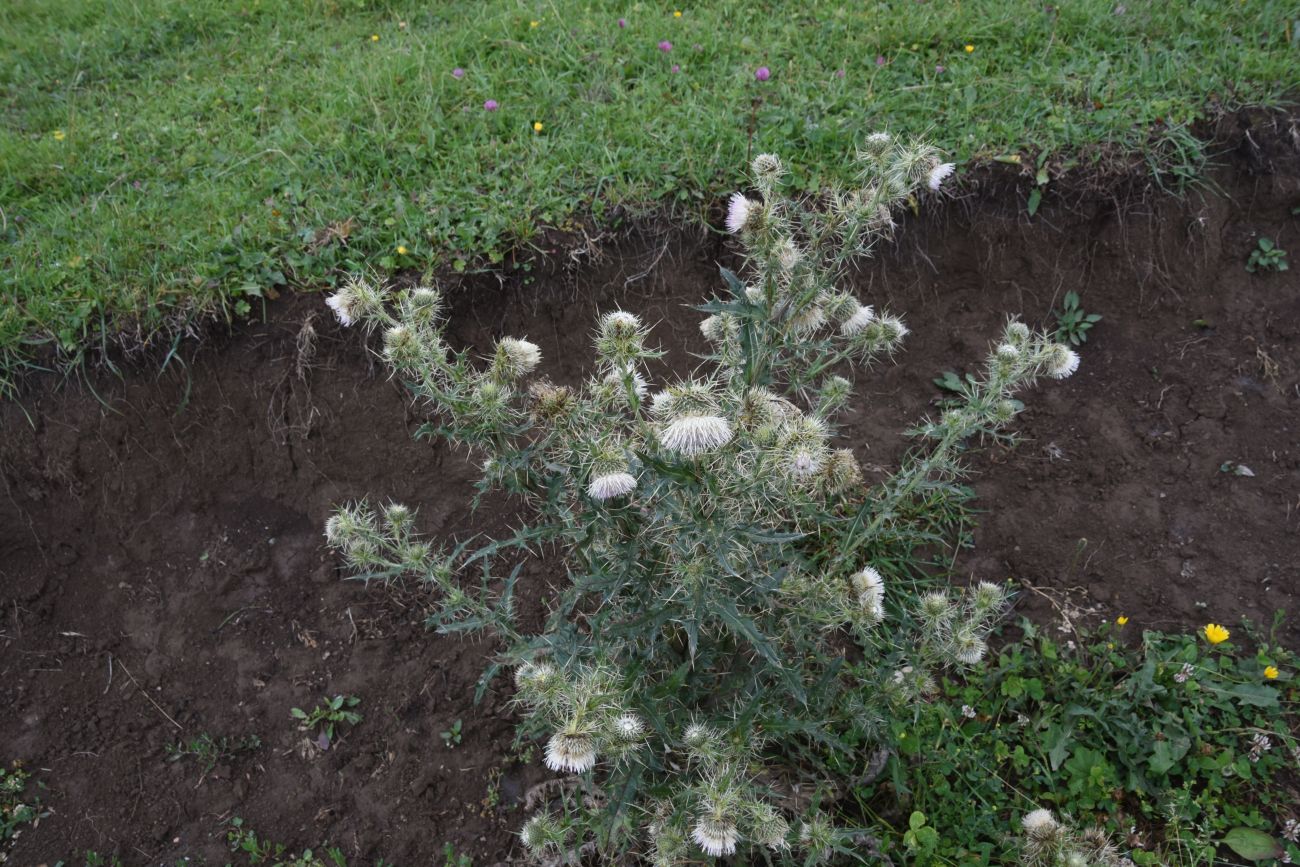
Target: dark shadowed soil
162,570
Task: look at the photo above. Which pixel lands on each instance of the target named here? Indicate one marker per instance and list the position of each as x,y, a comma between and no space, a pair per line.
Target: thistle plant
734,613
1048,842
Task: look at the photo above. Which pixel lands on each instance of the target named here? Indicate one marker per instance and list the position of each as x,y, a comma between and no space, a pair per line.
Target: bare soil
162,569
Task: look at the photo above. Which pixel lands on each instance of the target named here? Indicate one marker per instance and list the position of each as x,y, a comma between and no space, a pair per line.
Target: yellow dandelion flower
1271,672
677,14
401,250
60,135
1216,634
1121,620
534,24
374,37
537,126
969,48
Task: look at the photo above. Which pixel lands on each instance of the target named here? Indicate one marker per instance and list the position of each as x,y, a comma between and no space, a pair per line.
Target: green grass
162,157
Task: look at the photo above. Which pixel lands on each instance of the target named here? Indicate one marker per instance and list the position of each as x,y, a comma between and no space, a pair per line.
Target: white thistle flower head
870,587
967,647
570,751
1039,823
935,607
1075,859
754,295
661,403
629,728
767,168
788,255
700,740
857,320
876,144
716,836
620,323
401,347
620,338
540,833
536,677
343,303
939,174
988,596
517,357
610,485
1061,361
739,212
893,330
692,435
808,320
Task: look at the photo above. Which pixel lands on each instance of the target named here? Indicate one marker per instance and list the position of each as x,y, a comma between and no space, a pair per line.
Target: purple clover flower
880,60
676,68
762,73
458,73
490,105
622,22
665,46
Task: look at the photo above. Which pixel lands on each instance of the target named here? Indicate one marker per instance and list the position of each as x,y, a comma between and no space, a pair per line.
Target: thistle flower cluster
720,544
1048,842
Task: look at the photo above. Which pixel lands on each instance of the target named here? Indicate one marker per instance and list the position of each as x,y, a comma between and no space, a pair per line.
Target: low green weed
324,717
208,751
1267,256
451,737
1170,741
17,809
1072,323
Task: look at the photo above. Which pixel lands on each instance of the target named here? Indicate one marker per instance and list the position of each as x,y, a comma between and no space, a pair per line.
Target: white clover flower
695,434
629,727
739,210
859,319
1062,362
611,485
521,356
343,303
716,836
939,174
570,751
1039,823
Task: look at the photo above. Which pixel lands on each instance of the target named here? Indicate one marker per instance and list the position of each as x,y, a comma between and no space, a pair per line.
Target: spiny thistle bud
759,407
767,170
857,319
538,682
842,471
988,597
936,609
620,340
834,393
701,741
401,346
788,255
740,213
1017,333
398,517
1059,361
768,828
515,358
875,145
817,837
571,750
352,530
550,402
1097,846
870,587
422,305
1004,411
669,845
541,833
801,450
719,327
967,647
629,728
1007,353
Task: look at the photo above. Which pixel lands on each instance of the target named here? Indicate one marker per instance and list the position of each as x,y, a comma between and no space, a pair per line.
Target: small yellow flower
401,250
1215,634
374,37
534,24
969,48
1110,645
537,126
1121,620
60,135
1271,672
677,14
